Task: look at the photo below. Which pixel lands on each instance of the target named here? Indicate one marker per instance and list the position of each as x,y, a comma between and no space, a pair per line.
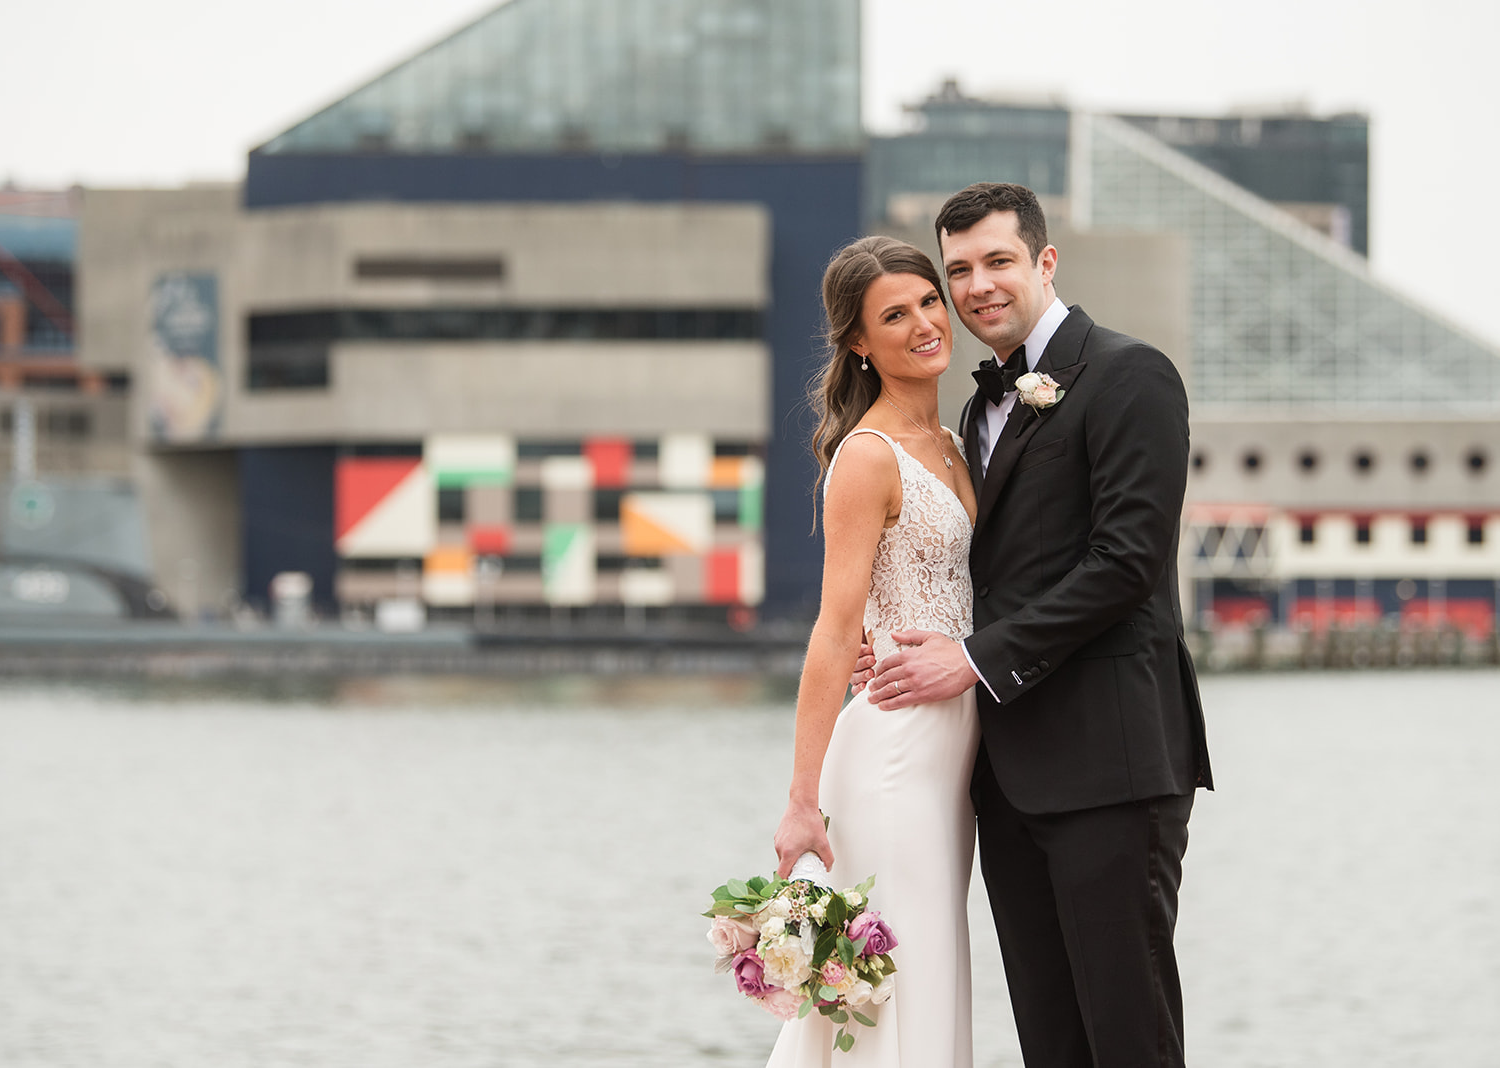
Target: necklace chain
941,451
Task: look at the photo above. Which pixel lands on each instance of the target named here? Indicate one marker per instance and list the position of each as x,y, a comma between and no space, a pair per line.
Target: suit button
1028,674
983,591
1043,665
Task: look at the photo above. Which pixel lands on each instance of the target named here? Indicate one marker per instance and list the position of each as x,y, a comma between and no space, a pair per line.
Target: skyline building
527,323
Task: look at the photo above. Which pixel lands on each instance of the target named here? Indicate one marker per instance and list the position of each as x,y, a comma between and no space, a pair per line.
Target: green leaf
823,948
846,951
827,993
859,945
737,887
837,913
864,887
758,883
806,1007
862,1018
845,1041
839,1016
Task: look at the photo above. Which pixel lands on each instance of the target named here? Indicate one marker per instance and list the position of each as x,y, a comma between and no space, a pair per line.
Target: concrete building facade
480,339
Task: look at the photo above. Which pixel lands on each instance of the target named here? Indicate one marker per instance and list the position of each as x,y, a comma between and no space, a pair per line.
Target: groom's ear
1047,261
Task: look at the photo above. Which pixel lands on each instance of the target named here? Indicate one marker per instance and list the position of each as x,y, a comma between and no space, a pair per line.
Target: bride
898,512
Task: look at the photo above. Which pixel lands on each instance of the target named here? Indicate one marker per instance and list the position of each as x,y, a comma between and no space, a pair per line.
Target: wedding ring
898,685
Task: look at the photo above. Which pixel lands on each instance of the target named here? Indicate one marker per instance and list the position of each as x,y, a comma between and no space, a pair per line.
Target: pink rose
1045,394
731,936
750,975
781,1003
876,932
833,972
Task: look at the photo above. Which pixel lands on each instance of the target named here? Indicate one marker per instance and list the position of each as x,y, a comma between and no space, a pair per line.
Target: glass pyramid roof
1282,317
708,76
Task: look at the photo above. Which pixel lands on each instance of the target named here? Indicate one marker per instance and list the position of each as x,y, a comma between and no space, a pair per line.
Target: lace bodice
920,577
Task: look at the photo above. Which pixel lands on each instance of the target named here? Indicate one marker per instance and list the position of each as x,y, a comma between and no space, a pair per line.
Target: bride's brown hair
841,392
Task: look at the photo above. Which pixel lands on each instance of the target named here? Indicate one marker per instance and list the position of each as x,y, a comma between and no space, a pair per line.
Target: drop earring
864,362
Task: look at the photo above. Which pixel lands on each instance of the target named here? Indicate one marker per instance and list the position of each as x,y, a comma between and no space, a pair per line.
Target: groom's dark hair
970,206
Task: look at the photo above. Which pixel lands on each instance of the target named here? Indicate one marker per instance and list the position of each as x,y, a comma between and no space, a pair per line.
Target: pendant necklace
941,451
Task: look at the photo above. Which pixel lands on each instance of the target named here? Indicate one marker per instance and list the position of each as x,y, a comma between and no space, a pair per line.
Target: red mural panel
489,541
611,459
721,576
362,482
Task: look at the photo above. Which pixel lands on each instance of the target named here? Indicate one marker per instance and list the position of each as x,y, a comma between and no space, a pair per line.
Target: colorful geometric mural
606,520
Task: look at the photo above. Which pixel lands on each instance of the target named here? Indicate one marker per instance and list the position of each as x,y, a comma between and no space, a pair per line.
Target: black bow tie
996,380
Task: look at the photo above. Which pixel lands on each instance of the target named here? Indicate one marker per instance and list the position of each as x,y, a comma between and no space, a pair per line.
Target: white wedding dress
895,786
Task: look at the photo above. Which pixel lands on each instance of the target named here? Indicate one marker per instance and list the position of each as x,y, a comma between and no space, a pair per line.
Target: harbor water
503,873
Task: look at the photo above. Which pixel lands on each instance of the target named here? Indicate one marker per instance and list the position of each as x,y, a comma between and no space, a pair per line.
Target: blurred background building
524,327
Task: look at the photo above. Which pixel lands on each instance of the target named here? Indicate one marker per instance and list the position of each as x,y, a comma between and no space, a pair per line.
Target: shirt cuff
976,670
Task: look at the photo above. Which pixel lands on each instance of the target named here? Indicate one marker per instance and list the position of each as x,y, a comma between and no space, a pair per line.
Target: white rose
883,992
778,908
773,927
858,993
787,964
854,898
818,910
1028,382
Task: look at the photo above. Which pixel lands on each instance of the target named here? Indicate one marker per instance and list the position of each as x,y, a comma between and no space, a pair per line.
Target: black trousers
1085,904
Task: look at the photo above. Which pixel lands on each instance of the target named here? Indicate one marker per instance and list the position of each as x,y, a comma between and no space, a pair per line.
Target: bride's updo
842,393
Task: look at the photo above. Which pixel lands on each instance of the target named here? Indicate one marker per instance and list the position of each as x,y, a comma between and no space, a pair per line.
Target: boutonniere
1039,391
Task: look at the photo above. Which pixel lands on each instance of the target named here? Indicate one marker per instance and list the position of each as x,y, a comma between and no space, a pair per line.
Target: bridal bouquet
795,945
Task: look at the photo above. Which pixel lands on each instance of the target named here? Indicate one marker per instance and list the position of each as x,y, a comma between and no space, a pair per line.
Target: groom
1093,732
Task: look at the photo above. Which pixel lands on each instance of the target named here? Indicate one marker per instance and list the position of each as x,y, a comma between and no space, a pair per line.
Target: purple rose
750,975
876,932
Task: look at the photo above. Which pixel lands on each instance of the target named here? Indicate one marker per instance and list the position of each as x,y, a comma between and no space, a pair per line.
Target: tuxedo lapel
974,411
1061,360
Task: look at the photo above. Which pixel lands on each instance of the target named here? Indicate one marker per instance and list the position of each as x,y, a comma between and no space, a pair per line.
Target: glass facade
1282,317
1289,159
707,76
962,141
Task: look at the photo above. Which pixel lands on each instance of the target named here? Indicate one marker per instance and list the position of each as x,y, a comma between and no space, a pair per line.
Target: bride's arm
863,495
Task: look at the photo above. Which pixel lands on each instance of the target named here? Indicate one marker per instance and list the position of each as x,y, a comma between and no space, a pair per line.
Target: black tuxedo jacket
1077,620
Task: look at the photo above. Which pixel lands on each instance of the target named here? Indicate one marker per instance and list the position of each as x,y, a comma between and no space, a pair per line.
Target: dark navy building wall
814,204
286,499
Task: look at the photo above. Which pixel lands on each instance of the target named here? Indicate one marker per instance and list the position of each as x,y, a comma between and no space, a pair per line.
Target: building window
449,269
1307,459
326,326
607,505
1477,461
1419,530
1364,461
65,423
1420,461
1476,531
528,505
1362,532
452,505
286,365
1251,461
1307,531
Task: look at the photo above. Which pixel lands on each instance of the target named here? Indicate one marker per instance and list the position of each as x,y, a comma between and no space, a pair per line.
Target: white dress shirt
995,415
992,425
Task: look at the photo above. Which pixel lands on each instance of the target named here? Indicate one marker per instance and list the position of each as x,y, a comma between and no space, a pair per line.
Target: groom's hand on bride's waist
864,667
932,667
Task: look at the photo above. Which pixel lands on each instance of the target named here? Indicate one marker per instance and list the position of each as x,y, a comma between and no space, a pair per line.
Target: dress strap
858,430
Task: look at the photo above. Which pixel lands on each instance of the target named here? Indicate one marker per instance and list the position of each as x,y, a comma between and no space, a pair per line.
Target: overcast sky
163,92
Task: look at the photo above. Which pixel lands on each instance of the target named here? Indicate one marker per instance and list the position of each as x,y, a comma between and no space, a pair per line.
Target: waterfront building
72,532
524,326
